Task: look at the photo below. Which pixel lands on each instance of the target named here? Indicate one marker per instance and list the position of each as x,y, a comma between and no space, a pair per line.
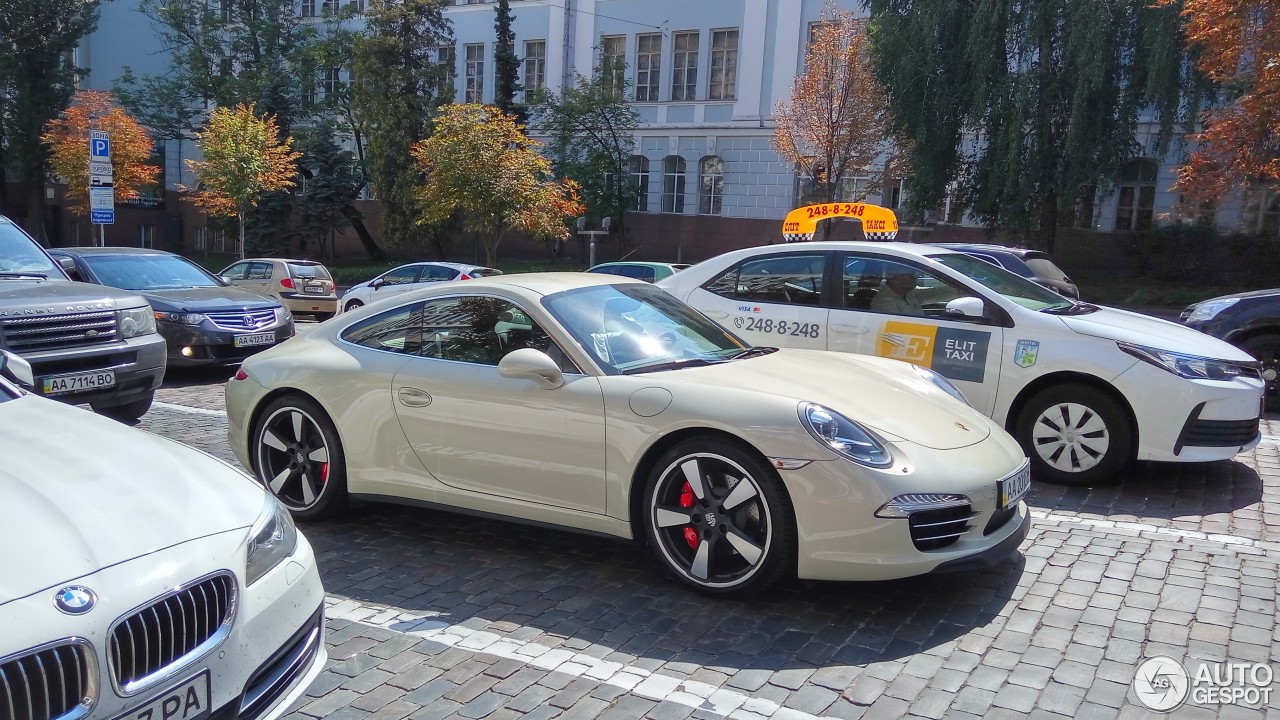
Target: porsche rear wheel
298,458
718,517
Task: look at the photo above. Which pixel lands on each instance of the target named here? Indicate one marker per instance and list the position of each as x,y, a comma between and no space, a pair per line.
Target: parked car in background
1251,322
1031,264
143,578
204,320
85,343
410,277
647,271
303,286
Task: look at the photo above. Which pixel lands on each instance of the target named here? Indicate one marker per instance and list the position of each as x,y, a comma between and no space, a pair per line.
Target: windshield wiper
671,365
1075,308
40,276
753,352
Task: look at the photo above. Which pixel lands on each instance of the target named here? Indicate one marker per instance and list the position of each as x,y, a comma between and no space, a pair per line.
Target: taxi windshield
1015,287
634,328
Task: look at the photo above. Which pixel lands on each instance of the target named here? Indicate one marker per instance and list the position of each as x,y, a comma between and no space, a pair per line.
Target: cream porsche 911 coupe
604,405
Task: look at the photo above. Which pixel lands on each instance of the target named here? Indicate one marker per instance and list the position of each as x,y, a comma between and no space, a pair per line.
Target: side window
401,276
904,289
397,331
483,330
639,272
987,258
788,279
434,273
235,272
259,271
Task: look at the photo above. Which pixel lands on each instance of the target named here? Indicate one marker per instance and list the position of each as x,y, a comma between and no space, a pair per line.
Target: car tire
1266,349
734,534
128,412
321,317
1075,435
298,457
352,305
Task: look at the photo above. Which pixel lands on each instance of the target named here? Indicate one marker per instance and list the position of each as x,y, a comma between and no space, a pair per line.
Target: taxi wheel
718,517
1266,348
353,305
1075,435
298,458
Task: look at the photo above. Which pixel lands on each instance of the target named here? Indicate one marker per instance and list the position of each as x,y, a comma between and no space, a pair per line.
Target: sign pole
102,201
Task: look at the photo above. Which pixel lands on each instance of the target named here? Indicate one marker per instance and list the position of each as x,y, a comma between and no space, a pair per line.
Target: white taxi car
143,579
1084,388
602,404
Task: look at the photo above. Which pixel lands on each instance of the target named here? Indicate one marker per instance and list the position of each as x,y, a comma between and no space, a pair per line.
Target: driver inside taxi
898,295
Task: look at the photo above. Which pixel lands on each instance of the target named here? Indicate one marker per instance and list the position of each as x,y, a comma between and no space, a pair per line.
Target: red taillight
287,282
240,374
464,276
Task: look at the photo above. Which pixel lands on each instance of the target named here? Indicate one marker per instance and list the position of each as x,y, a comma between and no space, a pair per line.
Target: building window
357,5
724,65
475,73
1262,211
673,184
1137,198
613,61
710,185
146,236
308,8
684,66
640,176
854,189
226,9
535,65
328,7
332,82
648,65
308,84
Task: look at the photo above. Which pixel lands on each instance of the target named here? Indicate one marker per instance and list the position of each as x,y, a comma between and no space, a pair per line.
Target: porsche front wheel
298,458
718,517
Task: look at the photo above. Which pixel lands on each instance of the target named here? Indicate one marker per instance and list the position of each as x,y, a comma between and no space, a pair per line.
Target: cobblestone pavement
434,615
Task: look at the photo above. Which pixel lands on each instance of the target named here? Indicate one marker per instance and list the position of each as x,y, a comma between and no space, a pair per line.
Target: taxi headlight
272,539
942,383
180,318
1210,308
1191,367
844,436
137,321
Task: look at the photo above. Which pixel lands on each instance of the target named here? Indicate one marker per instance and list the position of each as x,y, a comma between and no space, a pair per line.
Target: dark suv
1248,320
1031,264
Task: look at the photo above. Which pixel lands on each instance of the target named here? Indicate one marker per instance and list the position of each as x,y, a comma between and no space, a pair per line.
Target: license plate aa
188,701
313,288
1011,489
258,339
80,381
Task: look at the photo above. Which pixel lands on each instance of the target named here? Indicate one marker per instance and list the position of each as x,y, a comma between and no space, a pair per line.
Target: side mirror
225,279
967,307
530,364
377,283
66,263
18,370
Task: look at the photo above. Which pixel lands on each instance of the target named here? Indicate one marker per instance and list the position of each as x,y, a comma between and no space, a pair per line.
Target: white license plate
79,381
1011,489
188,701
257,339
313,288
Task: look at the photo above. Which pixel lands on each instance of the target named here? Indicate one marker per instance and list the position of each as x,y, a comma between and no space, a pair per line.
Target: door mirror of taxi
18,370
967,307
530,364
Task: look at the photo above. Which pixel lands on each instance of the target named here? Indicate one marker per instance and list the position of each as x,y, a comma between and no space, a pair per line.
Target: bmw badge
75,599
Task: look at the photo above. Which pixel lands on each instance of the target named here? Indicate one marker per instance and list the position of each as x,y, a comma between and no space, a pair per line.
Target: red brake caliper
686,501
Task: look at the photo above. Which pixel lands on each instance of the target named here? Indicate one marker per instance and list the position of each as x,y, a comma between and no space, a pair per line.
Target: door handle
855,329
715,313
413,397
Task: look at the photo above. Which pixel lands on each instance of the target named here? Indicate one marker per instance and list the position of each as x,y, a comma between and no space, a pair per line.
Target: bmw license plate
80,381
1011,489
188,701
256,339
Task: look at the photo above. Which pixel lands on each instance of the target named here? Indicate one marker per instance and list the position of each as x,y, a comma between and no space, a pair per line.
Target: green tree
479,162
37,80
1030,107
332,183
244,158
399,86
506,64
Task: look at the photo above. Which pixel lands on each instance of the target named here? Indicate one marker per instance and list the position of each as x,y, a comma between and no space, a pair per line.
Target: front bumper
138,364
204,344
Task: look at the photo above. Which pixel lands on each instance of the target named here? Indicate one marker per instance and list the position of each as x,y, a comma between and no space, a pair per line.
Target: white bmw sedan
605,405
143,579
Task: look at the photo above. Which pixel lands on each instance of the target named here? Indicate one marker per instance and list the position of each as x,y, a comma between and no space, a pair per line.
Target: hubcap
1070,437
711,520
293,459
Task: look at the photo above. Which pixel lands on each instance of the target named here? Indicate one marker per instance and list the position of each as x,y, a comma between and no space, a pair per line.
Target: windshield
1045,268
1018,289
639,328
148,272
20,254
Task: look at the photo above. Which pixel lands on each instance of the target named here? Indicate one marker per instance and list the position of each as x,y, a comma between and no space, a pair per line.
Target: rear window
1044,268
313,271
483,272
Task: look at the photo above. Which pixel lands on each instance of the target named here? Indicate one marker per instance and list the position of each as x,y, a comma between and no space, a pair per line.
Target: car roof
88,251
635,263
283,260
541,283
987,247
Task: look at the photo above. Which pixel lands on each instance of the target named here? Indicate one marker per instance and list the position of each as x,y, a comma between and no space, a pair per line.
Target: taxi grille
240,320
936,529
50,332
50,683
170,630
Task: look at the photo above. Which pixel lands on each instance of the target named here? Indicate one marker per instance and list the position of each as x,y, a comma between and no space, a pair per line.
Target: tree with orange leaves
478,160
1238,47
244,157
67,137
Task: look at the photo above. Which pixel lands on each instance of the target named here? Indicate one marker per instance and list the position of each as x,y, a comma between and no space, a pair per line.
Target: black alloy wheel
298,458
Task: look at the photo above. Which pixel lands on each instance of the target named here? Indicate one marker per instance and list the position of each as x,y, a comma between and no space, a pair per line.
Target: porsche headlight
180,318
272,539
844,436
137,321
1191,367
942,383
1210,308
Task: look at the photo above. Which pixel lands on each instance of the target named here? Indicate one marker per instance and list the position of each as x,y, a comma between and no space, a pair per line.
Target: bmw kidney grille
51,682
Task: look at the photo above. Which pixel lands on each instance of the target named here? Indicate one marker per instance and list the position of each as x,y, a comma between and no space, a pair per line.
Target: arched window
710,185
673,168
640,176
1135,206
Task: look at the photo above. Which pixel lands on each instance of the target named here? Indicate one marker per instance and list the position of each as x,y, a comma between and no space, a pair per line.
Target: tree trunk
240,250
1048,223
357,223
36,213
491,248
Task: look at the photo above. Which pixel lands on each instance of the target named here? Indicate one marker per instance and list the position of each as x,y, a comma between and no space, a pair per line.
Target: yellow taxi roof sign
878,223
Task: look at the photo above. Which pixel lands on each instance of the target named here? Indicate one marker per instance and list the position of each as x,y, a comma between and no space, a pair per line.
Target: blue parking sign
99,144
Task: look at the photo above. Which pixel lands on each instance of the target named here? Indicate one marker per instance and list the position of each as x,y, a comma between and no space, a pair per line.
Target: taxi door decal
954,353
911,342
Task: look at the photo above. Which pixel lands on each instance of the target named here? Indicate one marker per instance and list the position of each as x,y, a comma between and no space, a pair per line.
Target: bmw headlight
1191,367
1208,309
180,318
942,383
137,321
272,539
844,436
